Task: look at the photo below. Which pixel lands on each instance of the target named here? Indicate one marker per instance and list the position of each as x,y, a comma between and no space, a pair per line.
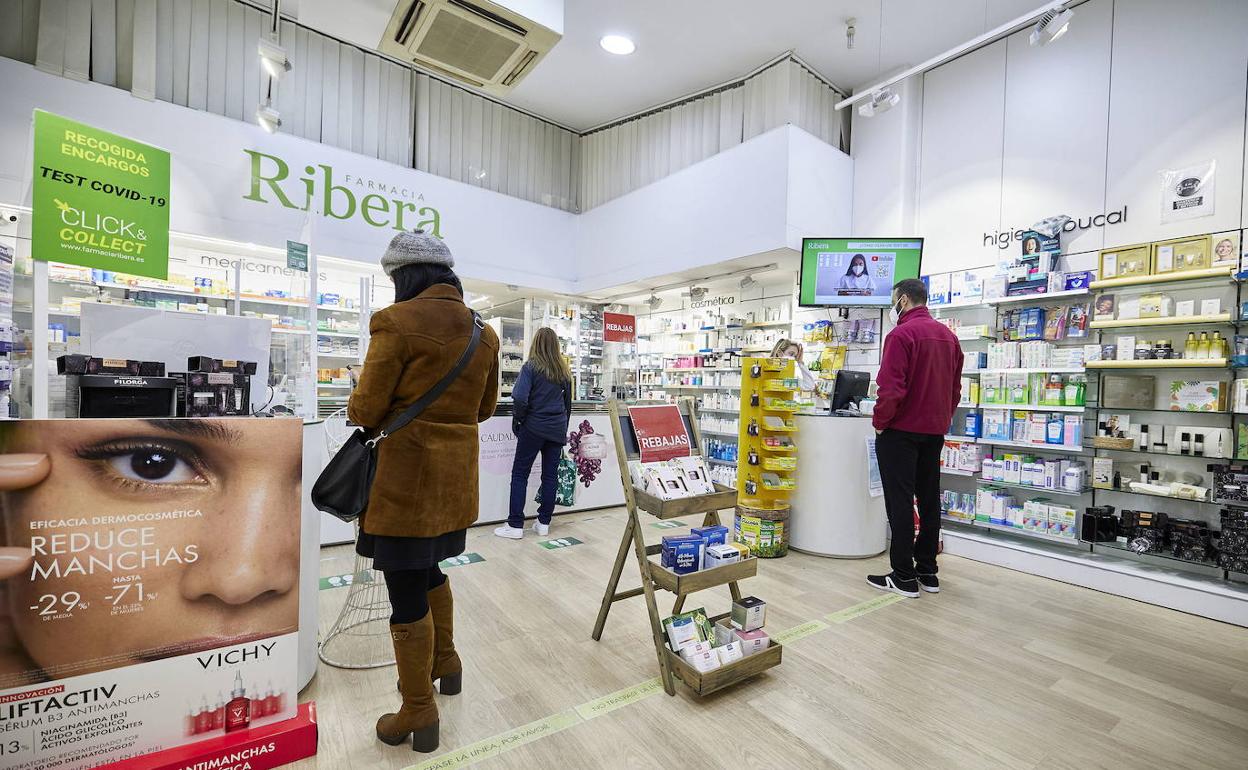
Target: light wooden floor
1000,670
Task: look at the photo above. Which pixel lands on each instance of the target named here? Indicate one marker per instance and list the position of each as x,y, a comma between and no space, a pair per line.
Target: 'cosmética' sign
100,200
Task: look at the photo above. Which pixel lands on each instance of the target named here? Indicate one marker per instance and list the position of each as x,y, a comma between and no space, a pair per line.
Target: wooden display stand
653,575
767,455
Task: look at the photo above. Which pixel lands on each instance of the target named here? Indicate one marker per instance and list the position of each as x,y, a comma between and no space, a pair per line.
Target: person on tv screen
856,279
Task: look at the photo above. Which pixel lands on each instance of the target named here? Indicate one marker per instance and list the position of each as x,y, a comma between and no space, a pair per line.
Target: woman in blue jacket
542,407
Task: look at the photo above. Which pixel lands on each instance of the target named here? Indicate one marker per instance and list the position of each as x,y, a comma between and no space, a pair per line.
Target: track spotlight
697,292
654,301
273,58
880,101
747,282
1051,26
268,118
851,28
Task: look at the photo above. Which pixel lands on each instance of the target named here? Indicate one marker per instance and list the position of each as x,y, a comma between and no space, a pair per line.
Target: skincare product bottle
1185,444
238,710
203,717
190,719
218,713
1202,349
1189,347
1143,474
1053,429
1053,391
1143,438
1217,346
1198,447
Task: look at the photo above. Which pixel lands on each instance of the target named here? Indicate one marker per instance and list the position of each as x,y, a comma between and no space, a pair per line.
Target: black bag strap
422,403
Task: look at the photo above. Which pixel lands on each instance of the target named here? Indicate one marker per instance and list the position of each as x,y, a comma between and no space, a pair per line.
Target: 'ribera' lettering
268,172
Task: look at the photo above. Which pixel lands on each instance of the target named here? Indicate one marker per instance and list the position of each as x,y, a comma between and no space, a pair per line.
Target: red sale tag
619,327
661,433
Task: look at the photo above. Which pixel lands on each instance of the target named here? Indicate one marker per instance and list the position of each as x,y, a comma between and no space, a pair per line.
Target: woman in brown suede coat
424,496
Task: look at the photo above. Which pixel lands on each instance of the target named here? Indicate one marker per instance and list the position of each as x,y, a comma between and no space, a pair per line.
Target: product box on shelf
1128,391
1182,254
713,535
749,613
209,364
1126,261
1198,396
752,642
719,556
74,363
682,554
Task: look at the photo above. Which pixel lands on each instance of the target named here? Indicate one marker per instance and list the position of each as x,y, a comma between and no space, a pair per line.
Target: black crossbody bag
343,488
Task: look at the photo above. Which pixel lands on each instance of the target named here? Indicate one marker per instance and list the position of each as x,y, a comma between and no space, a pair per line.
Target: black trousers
409,592
910,470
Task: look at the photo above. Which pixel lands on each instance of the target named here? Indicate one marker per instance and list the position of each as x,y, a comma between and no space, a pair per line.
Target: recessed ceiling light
617,44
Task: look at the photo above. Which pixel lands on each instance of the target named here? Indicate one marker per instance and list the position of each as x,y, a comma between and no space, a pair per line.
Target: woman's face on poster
152,538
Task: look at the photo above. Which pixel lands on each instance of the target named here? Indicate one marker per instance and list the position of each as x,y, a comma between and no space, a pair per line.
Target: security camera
9,217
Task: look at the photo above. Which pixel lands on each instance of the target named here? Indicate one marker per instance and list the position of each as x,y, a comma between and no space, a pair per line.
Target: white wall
761,195
1011,134
495,237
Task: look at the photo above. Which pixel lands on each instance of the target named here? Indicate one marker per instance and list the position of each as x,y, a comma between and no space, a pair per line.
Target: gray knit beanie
415,248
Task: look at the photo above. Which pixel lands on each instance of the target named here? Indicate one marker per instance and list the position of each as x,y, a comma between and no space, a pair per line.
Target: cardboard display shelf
724,497
703,578
724,676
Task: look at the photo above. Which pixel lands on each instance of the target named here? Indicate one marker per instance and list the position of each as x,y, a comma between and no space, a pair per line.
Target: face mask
857,269
894,313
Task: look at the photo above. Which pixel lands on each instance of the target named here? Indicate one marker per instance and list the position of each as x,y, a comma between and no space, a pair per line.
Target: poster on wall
590,451
1189,192
150,584
100,200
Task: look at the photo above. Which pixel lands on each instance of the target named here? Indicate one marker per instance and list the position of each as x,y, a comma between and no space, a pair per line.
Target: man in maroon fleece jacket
919,385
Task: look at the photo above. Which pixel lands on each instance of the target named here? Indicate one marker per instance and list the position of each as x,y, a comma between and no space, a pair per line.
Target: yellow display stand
767,454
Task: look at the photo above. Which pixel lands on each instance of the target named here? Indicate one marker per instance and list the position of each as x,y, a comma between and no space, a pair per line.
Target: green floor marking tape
559,542
495,745
619,699
862,608
801,631
461,560
339,581
669,524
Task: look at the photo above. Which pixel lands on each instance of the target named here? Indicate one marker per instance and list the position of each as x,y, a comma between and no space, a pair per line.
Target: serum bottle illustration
238,710
203,717
190,719
218,712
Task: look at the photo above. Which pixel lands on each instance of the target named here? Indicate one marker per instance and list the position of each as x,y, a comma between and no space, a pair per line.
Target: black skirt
398,553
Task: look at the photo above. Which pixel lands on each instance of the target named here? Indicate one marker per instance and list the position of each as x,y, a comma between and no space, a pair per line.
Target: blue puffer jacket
542,407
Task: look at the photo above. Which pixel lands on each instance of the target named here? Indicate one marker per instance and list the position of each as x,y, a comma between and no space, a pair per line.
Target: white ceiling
684,46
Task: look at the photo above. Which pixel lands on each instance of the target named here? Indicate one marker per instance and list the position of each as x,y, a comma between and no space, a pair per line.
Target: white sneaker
541,529
514,533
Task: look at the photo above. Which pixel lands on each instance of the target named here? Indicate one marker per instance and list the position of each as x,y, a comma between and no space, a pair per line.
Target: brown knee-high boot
418,717
446,665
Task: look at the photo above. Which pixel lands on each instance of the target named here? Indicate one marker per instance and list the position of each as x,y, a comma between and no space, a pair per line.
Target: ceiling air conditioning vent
481,43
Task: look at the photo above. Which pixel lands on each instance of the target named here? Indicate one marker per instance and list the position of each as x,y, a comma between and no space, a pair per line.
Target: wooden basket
724,676
703,578
724,497
1108,442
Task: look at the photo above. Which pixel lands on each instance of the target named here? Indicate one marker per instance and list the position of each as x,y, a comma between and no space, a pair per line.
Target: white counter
497,448
833,513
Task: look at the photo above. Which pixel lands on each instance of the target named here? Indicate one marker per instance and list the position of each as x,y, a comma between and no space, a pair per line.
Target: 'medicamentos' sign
100,200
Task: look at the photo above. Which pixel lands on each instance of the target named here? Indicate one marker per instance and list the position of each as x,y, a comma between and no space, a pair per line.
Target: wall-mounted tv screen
856,272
